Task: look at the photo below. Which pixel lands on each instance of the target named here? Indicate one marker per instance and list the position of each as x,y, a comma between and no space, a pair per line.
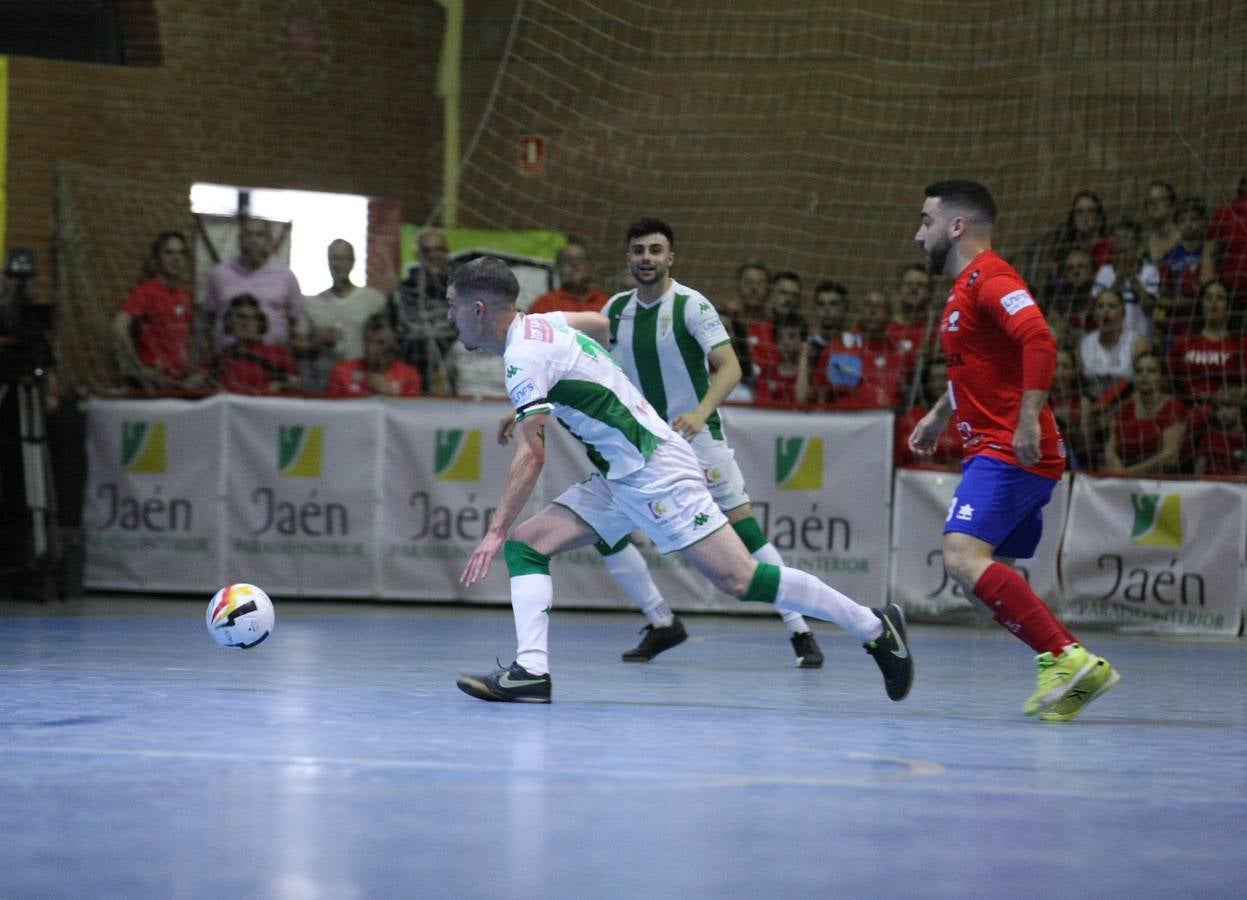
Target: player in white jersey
673,345
648,478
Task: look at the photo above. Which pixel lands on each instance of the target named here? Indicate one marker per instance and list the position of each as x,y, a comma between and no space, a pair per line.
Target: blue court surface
338,760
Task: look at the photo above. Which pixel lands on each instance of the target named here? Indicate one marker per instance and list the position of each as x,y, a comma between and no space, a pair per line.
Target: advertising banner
1150,555
152,518
301,485
922,500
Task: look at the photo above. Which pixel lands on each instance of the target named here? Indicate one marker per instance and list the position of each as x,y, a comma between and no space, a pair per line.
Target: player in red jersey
1001,357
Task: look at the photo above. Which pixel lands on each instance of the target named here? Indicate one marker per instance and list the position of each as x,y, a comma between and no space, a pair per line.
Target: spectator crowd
1148,313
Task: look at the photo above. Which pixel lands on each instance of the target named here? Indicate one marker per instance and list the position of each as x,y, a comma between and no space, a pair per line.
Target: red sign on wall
532,155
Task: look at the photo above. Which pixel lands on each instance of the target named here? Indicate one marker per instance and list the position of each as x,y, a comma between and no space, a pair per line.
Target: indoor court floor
339,760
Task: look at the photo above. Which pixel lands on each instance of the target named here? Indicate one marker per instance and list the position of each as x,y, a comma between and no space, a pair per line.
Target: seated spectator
334,319
1222,449
1147,432
1135,281
1084,229
787,383
575,292
1162,234
153,327
1068,301
379,370
1225,250
1213,355
1180,273
862,370
915,326
783,297
1073,414
1107,354
830,316
948,448
247,365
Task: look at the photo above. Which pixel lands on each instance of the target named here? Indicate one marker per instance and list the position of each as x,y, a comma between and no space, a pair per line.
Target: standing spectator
753,280
1135,281
335,318
418,311
1162,229
379,370
914,327
1180,273
246,364
1108,353
786,384
1225,251
1069,305
1146,435
575,292
158,316
1223,447
1213,355
1085,228
784,297
947,451
830,317
255,271
863,370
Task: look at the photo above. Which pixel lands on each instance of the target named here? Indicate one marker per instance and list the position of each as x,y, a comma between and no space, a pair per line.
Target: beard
937,257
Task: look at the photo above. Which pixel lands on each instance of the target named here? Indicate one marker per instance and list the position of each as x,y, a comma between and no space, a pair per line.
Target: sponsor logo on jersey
537,329
523,392
1016,300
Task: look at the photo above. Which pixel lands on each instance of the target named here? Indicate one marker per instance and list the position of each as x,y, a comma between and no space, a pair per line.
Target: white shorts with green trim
667,498
722,474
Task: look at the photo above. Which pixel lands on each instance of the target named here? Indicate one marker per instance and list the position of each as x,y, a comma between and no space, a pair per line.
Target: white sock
802,592
630,572
793,620
531,597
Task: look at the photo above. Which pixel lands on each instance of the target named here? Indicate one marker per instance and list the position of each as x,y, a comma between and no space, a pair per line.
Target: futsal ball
240,616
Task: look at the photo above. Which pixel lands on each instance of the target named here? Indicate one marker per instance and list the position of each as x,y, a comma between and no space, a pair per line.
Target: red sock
1015,606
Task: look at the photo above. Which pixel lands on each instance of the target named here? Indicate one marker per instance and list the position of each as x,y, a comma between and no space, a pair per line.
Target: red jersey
762,347
1229,229
908,339
560,300
1136,438
1200,367
856,372
250,369
349,378
777,386
1224,452
947,445
163,315
990,324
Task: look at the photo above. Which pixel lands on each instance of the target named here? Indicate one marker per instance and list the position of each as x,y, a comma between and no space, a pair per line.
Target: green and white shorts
719,468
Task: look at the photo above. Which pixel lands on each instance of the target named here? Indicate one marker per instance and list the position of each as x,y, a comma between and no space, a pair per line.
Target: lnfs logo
458,456
799,463
143,447
1157,520
300,450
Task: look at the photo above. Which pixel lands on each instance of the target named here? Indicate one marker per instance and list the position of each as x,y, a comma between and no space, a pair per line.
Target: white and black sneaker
508,684
891,652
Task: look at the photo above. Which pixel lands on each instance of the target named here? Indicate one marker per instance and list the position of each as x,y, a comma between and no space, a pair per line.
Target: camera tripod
40,496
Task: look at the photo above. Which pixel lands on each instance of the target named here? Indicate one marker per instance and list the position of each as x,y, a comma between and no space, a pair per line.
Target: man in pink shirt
257,272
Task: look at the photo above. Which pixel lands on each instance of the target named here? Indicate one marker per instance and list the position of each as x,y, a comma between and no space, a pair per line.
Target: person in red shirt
1223,448
153,327
786,384
575,292
379,370
863,369
1212,356
1147,432
1001,357
1225,250
947,452
249,366
914,327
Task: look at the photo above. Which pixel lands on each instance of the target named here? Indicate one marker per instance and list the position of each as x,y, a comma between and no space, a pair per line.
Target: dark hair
785,274
166,236
792,320
916,267
1067,231
968,194
828,284
1193,204
753,264
486,275
376,322
1168,188
236,303
572,241
240,300
1130,225
649,225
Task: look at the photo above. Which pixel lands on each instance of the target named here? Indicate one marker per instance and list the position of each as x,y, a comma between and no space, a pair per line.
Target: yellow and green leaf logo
458,456
300,450
1157,520
144,447
799,463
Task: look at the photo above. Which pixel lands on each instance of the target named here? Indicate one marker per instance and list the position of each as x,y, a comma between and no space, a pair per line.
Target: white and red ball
240,616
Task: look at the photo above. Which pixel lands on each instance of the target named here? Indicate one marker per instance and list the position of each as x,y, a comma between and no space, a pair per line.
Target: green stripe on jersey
694,362
645,353
614,311
602,404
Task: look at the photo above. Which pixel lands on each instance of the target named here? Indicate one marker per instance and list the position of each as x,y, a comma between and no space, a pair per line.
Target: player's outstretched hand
506,425
479,562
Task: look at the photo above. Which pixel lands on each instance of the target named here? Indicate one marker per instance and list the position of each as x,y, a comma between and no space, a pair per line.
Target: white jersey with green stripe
552,368
663,347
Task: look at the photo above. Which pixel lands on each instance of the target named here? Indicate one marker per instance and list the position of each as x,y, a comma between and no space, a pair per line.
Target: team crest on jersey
536,329
713,475
664,325
657,509
953,322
